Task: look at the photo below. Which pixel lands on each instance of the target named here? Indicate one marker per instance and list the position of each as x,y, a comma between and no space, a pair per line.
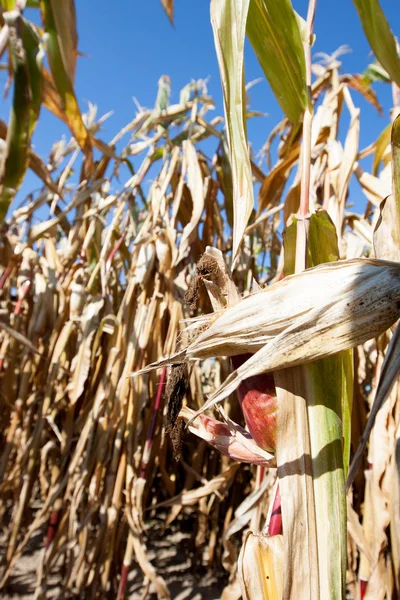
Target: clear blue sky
129,45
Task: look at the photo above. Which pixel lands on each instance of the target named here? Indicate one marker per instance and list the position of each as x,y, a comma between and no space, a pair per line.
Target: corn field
215,363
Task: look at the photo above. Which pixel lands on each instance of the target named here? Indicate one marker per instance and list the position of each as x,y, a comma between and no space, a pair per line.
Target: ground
168,553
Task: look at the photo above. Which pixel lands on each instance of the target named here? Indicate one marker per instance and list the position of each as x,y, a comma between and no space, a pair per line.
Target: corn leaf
345,304
274,33
228,18
61,54
381,144
379,36
26,56
8,5
65,22
389,374
168,6
396,173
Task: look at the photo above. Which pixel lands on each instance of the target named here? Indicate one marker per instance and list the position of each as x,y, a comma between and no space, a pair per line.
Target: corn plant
128,318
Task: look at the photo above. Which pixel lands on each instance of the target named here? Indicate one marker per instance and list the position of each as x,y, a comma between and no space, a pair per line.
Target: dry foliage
98,280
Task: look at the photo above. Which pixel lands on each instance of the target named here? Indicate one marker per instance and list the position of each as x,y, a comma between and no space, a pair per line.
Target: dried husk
261,567
307,316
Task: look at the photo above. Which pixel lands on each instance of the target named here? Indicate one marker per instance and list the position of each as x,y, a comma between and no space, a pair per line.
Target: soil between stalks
170,552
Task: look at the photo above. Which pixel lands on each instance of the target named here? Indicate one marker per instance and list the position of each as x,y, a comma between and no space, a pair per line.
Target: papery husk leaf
261,567
274,33
304,317
379,36
228,19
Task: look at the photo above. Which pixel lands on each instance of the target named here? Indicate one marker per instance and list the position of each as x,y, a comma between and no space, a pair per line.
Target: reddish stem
363,588
150,433
114,251
6,273
275,522
123,582
25,288
52,527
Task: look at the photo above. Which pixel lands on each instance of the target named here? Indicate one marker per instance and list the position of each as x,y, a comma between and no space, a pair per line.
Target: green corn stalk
26,57
328,385
396,177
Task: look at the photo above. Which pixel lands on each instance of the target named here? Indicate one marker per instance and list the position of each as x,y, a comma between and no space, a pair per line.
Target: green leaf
273,31
381,144
26,57
61,52
65,22
396,166
379,36
228,18
375,72
8,5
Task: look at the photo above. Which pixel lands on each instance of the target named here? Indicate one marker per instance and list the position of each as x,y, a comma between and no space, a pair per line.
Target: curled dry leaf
389,373
232,440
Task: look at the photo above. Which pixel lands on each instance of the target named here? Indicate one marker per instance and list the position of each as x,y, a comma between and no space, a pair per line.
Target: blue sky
129,45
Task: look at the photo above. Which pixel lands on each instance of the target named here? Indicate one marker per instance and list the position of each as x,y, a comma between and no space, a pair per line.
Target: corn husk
261,567
302,318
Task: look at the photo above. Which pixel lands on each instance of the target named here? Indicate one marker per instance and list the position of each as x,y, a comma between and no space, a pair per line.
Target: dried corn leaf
195,185
168,6
215,485
387,231
83,359
389,373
